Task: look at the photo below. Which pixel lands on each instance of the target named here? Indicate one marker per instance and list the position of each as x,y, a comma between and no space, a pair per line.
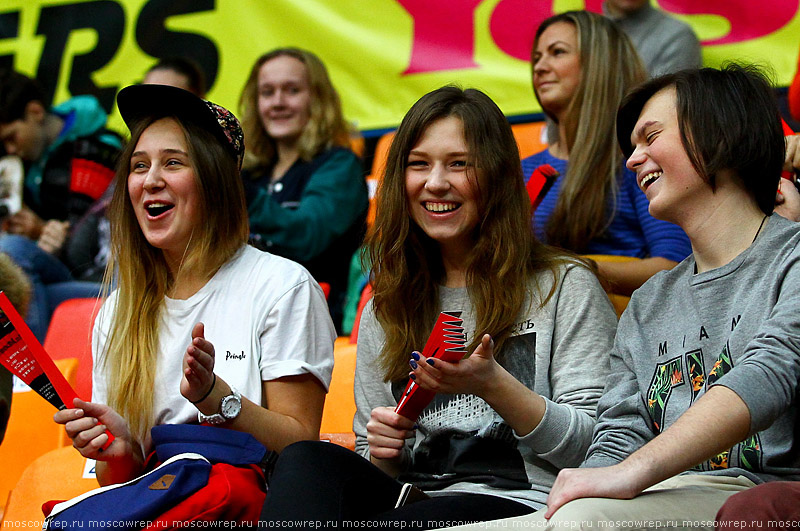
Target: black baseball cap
140,102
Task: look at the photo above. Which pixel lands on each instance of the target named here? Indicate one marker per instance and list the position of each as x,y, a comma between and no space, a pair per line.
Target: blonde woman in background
582,66
188,284
305,189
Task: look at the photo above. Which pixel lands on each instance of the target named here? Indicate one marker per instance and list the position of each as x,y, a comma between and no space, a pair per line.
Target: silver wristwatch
229,408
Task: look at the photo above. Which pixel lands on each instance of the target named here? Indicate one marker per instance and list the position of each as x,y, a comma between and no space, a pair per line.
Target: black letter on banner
107,19
9,29
156,40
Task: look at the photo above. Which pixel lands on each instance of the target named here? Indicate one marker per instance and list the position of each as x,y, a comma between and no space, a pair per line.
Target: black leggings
321,485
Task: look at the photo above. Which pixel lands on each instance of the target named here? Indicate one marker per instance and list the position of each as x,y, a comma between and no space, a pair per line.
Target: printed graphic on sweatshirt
691,368
666,377
465,440
748,453
721,367
697,372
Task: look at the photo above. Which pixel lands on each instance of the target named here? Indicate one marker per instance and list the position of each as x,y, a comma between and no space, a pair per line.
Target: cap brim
148,102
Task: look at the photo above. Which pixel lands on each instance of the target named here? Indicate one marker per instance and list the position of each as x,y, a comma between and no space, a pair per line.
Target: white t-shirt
266,317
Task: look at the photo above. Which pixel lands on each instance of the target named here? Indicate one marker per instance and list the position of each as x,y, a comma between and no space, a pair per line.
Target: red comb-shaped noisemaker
539,184
23,355
447,342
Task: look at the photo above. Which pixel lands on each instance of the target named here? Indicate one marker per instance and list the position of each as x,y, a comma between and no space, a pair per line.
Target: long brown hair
610,67
326,125
143,278
407,263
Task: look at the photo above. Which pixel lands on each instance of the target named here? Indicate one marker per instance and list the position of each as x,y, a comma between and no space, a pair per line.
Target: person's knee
582,513
306,455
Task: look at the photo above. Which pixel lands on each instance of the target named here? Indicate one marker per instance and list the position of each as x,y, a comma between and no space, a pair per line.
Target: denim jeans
51,281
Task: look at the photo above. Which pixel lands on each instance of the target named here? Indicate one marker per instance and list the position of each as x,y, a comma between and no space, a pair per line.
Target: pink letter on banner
595,6
748,19
513,25
444,34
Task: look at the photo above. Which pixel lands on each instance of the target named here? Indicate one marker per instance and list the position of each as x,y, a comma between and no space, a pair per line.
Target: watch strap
218,418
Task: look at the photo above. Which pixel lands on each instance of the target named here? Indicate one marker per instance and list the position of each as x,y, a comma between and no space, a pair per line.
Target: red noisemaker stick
23,355
539,184
447,342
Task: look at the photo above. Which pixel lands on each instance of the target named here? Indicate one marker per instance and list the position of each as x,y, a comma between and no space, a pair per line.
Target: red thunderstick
447,342
23,355
539,184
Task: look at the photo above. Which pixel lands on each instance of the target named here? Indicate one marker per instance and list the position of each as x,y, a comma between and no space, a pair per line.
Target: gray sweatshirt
462,445
736,326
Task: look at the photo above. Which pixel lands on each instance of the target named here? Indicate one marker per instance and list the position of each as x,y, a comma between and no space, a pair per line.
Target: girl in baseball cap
201,327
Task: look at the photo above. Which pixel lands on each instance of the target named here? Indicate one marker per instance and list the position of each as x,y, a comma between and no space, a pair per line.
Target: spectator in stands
521,406
664,43
306,192
69,158
701,399
582,66
188,282
777,502
15,285
178,72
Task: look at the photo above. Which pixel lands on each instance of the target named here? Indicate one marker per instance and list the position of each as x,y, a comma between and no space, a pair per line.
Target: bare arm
293,403
700,433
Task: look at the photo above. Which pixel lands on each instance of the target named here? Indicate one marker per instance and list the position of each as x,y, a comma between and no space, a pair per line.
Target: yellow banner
382,54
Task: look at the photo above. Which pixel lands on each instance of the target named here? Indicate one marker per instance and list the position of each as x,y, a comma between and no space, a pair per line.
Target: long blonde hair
326,125
610,67
143,278
407,263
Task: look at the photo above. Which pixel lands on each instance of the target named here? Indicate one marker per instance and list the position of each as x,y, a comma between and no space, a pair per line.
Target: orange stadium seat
56,475
31,431
326,289
340,405
529,138
70,336
381,154
378,166
366,295
620,302
357,144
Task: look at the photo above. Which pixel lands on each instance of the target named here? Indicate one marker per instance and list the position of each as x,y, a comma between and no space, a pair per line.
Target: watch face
230,407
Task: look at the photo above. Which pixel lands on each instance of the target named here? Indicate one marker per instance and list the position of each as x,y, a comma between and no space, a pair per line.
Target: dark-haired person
177,72
452,234
69,158
188,284
701,398
305,188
